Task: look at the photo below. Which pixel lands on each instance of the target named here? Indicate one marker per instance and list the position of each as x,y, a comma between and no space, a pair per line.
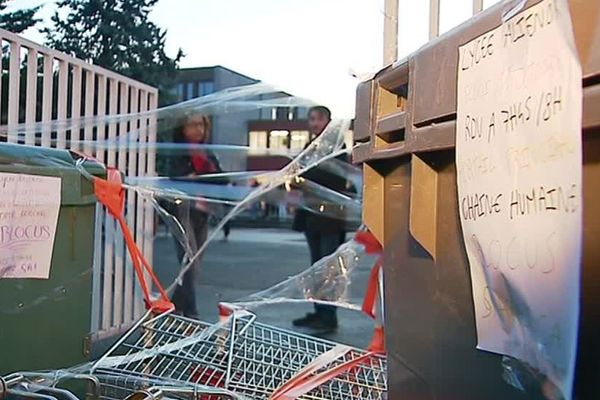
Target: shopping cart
240,356
59,385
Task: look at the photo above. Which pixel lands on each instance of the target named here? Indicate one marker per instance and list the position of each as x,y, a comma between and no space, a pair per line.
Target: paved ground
252,260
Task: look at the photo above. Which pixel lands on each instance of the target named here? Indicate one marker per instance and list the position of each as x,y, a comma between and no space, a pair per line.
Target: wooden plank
109,318
75,126
47,89
101,112
14,78
63,80
150,171
31,96
97,280
107,244
122,279
112,127
130,138
434,19
390,31
142,205
90,94
96,313
153,99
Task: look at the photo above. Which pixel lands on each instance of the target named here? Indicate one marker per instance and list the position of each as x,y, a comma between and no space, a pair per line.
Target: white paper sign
29,206
518,157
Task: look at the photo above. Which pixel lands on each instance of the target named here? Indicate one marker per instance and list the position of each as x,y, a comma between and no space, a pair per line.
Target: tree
17,21
117,35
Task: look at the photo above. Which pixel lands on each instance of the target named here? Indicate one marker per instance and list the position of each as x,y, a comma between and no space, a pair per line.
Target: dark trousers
195,225
322,244
226,229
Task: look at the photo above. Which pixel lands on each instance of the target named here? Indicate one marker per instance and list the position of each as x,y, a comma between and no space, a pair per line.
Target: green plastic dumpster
44,323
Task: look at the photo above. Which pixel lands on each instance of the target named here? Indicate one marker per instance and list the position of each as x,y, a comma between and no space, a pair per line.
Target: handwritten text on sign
29,206
518,156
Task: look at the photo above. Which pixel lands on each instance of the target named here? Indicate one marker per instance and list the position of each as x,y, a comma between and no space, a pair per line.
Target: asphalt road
255,259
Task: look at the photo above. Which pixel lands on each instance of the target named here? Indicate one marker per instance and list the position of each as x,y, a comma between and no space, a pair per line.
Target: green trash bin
44,322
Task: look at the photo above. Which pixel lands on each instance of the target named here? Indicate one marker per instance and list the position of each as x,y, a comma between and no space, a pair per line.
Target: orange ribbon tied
372,246
111,194
370,306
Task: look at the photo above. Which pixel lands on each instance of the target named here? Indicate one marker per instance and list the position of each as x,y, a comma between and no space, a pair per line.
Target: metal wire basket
66,385
240,356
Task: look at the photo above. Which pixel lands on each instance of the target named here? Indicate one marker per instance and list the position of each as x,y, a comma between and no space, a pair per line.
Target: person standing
324,233
192,131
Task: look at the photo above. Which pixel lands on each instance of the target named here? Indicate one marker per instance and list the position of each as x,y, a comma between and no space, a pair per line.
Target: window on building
299,140
190,91
205,87
274,113
257,141
301,112
291,113
282,113
279,140
180,93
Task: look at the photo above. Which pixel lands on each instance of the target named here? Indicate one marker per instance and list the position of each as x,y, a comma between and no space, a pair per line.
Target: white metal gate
58,87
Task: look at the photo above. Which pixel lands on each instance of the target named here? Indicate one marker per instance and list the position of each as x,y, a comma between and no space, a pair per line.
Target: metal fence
392,10
45,85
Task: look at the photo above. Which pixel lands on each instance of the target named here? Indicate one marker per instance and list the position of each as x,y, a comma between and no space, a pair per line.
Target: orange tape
368,306
372,246
367,239
304,381
111,194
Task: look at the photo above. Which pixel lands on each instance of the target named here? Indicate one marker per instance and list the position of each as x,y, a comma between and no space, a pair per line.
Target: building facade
271,134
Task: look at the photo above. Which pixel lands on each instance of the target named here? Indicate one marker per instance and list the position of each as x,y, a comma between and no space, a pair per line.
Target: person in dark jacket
193,215
324,233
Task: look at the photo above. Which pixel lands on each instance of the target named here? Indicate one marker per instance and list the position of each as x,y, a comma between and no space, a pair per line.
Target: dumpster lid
22,159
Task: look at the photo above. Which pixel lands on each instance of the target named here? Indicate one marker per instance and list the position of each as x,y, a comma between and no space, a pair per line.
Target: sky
310,48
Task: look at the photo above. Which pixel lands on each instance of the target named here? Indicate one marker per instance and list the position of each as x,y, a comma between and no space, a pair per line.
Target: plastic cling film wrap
333,280
201,188
81,383
327,146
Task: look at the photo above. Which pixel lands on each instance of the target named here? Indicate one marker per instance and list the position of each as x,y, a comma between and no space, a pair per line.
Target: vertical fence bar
90,94
101,126
108,311
150,171
63,83
128,137
390,31
14,79
477,6
31,97
75,143
104,271
48,87
434,18
141,202
153,100
112,127
120,258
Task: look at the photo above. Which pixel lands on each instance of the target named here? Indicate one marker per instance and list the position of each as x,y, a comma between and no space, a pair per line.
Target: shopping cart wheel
140,395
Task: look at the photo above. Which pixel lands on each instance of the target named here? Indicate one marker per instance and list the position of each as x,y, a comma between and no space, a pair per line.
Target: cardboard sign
518,158
29,206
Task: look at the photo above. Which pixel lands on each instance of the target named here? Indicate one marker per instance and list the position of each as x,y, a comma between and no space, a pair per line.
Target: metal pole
434,19
390,32
477,6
